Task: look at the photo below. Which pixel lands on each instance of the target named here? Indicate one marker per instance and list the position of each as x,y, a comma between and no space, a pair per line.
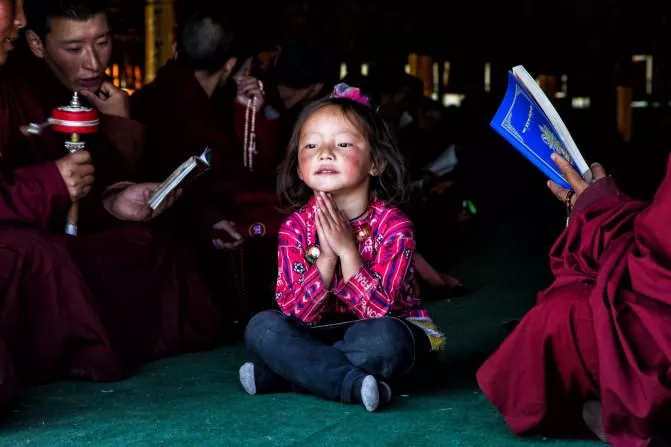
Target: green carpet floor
195,400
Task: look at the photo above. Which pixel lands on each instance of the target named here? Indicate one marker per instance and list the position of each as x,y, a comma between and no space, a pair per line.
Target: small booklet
527,119
184,174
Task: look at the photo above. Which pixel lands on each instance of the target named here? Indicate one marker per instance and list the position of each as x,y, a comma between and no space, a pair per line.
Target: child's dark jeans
327,360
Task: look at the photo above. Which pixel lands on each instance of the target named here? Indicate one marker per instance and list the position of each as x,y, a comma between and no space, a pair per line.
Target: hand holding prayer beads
251,91
578,184
75,120
248,88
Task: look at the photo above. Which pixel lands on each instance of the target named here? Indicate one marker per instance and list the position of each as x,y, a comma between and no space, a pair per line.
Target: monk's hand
227,227
109,100
249,87
77,172
132,202
578,184
170,199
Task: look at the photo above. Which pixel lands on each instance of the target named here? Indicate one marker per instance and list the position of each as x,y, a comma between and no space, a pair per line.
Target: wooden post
413,62
167,31
150,40
159,35
624,112
425,73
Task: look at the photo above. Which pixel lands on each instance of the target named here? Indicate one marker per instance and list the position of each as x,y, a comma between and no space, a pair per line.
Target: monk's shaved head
205,39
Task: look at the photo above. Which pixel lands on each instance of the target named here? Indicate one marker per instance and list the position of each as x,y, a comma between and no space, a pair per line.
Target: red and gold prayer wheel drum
74,118
82,122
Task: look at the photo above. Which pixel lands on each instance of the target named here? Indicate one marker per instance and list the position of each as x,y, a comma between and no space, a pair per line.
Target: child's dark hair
389,185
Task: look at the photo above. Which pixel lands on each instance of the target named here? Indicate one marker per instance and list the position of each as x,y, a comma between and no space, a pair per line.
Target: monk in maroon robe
595,351
182,118
96,305
12,19
181,121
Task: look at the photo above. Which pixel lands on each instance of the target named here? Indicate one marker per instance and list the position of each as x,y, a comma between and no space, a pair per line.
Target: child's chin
323,186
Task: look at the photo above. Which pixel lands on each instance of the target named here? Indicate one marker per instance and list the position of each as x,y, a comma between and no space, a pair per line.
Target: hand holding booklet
527,120
184,174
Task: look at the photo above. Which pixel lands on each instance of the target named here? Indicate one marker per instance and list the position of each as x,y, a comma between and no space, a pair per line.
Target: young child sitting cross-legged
350,319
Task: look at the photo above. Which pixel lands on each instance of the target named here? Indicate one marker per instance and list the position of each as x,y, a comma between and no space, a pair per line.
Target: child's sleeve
372,291
300,291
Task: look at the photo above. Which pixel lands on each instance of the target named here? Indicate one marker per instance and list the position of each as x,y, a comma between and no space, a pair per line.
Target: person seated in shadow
95,303
593,355
182,118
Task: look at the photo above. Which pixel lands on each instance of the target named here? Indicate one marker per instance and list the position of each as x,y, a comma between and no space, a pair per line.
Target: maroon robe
96,305
49,324
602,330
181,121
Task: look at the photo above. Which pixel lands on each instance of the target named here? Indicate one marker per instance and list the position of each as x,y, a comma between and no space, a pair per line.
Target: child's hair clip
343,90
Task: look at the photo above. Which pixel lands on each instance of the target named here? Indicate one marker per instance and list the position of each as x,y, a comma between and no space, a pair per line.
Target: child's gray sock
369,393
247,378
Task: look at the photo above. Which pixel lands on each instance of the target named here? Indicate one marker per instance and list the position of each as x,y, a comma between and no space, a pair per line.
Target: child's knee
394,341
384,346
263,326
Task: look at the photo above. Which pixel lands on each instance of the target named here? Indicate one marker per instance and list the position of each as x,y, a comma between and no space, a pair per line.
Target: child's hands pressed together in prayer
326,252
334,229
335,232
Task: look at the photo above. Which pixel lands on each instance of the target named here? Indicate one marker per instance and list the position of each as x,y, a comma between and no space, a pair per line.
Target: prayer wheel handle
71,222
73,145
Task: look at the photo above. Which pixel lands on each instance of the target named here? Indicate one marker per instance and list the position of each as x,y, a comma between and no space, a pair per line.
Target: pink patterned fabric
383,286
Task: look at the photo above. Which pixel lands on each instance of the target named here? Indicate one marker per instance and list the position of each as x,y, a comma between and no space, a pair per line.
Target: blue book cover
522,122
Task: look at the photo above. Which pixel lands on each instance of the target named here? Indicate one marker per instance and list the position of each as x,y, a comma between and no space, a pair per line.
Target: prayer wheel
75,120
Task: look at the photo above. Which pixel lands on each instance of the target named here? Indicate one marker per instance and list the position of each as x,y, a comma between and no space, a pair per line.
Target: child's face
333,154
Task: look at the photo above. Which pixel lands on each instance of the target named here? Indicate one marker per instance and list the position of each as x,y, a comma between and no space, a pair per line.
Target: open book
527,119
185,173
